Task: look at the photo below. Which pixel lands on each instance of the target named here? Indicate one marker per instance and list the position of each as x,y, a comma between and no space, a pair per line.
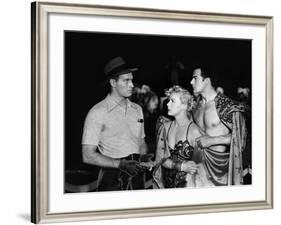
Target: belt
132,157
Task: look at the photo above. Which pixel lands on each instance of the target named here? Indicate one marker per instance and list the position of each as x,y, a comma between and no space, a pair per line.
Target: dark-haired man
223,122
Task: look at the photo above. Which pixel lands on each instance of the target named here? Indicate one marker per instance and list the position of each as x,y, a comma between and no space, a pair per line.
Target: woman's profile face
175,105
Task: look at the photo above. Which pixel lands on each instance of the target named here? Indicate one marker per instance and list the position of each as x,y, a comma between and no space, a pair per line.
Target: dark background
86,53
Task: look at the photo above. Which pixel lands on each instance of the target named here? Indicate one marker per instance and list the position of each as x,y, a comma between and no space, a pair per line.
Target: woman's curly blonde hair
185,96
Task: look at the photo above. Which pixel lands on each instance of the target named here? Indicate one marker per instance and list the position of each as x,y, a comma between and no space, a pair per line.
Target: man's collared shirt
116,129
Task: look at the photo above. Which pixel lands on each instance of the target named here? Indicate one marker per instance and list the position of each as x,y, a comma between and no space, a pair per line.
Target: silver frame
39,172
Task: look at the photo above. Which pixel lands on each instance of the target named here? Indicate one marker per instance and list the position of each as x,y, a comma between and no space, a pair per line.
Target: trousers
113,179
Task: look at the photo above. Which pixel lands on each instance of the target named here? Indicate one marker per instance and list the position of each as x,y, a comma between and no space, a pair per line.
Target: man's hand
204,141
189,167
146,161
146,157
131,167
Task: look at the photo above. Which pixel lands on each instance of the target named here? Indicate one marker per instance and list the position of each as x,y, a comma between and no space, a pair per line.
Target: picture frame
49,202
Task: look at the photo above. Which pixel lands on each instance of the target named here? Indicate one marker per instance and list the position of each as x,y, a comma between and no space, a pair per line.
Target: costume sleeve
93,126
232,114
227,107
237,145
162,153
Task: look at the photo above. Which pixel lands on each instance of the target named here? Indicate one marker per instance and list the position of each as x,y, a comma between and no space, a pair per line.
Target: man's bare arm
93,157
206,141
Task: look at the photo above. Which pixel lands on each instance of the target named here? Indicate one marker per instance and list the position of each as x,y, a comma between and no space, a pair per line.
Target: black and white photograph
156,112
149,112
140,112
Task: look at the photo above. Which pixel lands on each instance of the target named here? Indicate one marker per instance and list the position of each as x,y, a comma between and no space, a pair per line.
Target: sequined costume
183,151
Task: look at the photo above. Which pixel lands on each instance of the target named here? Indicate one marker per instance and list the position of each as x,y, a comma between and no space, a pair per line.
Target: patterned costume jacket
232,114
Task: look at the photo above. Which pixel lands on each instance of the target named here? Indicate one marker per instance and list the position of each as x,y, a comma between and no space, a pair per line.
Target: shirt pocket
135,125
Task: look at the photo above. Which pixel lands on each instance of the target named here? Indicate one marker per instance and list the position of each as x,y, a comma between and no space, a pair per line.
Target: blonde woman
179,163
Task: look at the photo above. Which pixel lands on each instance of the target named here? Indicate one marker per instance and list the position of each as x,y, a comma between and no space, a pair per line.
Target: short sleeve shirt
116,130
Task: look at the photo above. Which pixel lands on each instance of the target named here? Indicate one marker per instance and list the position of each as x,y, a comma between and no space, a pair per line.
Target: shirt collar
112,103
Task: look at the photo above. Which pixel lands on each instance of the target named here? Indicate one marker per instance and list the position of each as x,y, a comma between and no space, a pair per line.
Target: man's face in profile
198,82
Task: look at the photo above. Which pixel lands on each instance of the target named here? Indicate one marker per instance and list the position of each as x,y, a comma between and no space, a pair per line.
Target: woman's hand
148,165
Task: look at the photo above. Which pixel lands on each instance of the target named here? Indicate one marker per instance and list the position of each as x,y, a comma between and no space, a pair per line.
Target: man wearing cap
113,135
